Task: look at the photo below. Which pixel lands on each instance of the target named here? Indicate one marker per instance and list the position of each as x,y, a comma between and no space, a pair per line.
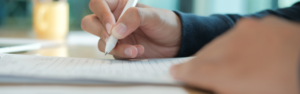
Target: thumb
134,18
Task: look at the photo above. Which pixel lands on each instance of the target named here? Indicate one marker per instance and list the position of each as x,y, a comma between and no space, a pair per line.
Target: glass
51,19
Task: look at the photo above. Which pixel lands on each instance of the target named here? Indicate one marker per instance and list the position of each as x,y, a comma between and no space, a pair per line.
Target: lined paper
62,69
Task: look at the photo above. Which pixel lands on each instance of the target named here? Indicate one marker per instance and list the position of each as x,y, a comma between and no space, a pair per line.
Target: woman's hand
255,57
143,31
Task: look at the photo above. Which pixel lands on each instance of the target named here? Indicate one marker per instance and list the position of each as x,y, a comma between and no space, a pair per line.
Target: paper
8,45
41,69
91,90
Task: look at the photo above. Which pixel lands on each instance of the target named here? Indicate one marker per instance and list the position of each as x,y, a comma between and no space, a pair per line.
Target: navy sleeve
197,31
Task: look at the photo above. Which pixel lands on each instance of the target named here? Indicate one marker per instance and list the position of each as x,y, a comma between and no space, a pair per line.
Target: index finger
103,10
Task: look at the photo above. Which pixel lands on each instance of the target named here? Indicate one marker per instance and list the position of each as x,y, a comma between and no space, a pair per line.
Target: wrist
179,32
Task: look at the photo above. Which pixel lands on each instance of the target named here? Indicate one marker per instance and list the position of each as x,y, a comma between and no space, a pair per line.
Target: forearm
197,31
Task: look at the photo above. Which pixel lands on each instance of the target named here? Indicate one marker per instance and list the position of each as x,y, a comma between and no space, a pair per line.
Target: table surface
77,44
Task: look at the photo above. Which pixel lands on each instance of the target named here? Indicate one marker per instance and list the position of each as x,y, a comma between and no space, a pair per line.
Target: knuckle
94,3
105,16
136,13
91,4
84,22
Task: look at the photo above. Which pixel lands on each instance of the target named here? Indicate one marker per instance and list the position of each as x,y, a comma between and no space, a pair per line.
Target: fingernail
108,28
120,29
128,52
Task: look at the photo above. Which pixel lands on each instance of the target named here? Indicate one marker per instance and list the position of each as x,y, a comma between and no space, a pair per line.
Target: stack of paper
41,69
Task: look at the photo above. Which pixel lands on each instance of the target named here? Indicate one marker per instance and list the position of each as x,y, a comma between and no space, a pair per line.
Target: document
58,89
43,69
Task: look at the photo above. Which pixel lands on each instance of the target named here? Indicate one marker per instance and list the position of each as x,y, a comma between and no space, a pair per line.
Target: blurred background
17,14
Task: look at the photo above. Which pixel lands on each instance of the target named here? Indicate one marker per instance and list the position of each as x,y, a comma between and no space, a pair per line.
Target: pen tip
106,53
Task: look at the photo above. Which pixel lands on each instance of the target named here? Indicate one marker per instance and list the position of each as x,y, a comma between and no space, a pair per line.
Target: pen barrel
111,43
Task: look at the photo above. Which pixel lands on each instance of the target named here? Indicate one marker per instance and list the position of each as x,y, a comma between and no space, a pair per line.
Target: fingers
134,18
123,51
103,9
92,24
193,73
177,71
182,73
140,49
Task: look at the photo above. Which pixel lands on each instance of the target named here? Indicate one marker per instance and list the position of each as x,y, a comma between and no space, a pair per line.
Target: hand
143,31
255,57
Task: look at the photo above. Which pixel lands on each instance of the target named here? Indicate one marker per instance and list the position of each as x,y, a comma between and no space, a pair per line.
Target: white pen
112,41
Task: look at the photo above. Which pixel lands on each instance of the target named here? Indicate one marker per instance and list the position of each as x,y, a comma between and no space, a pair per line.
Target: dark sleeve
197,31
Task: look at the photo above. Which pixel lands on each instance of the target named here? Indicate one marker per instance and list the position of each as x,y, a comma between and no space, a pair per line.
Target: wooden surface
75,46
